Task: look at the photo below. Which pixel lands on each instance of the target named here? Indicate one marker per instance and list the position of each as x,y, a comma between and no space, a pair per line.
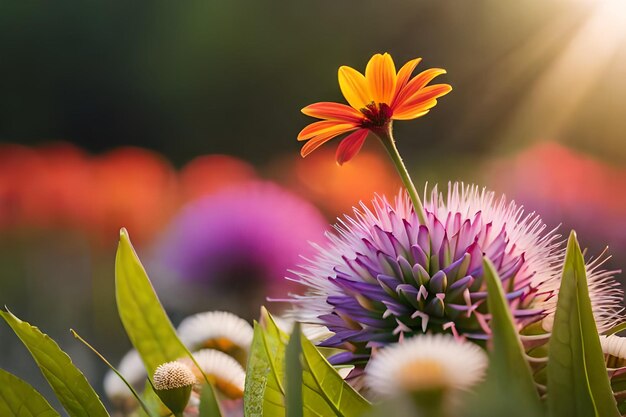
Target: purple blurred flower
238,240
383,276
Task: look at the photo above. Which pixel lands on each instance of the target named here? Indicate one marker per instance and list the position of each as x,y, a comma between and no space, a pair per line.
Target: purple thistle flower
383,276
235,244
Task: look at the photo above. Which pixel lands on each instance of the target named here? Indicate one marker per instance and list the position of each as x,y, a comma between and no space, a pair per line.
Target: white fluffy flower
614,345
217,330
133,370
222,370
423,363
614,349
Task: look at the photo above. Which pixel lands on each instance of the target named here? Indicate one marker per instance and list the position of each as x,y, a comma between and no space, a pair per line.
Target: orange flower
376,98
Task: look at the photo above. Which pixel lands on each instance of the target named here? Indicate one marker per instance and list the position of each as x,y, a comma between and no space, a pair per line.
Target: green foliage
289,377
264,392
146,323
324,392
67,381
19,399
507,359
209,407
401,406
324,389
293,376
154,406
578,384
119,375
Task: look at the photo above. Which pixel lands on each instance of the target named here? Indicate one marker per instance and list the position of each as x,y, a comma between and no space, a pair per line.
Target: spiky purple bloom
383,275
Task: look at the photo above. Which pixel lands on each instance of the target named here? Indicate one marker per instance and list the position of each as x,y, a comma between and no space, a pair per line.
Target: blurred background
177,120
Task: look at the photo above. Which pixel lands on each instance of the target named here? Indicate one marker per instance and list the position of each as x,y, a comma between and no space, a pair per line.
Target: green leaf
152,401
119,375
507,360
293,377
324,392
67,381
325,389
209,407
578,384
146,323
19,399
400,406
264,392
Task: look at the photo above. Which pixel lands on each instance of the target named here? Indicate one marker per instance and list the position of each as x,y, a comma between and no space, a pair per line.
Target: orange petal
411,114
422,100
324,127
333,111
404,74
354,87
416,84
351,145
380,74
316,142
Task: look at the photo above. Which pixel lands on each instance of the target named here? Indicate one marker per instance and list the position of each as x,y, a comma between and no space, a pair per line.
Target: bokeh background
178,121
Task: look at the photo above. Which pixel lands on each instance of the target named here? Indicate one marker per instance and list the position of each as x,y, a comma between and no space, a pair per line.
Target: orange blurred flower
20,168
209,173
59,186
570,187
134,188
46,186
337,189
376,98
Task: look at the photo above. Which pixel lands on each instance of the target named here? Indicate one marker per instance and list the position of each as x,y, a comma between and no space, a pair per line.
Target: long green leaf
19,399
209,407
67,381
507,357
293,377
152,401
264,392
146,323
323,379
578,384
324,392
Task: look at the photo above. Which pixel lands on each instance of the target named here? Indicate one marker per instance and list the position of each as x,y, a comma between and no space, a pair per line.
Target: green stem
430,403
386,137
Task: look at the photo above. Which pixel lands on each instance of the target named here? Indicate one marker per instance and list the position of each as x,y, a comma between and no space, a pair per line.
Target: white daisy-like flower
133,370
222,371
217,330
614,349
424,363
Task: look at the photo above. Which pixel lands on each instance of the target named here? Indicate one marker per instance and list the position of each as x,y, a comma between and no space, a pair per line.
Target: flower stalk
385,135
429,402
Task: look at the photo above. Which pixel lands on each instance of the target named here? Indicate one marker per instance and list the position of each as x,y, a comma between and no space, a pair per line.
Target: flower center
422,374
377,115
